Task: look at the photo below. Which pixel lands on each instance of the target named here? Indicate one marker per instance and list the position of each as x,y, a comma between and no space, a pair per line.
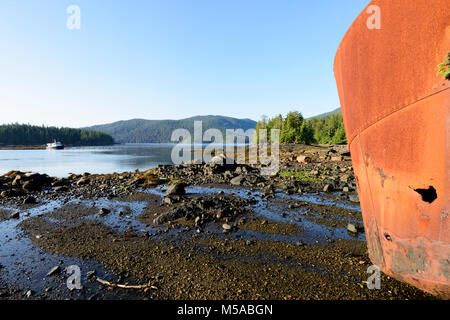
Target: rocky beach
192,231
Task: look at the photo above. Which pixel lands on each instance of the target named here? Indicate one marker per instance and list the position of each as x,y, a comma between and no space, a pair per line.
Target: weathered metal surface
397,118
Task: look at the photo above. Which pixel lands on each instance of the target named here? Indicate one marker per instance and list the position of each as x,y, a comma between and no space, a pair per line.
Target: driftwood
124,286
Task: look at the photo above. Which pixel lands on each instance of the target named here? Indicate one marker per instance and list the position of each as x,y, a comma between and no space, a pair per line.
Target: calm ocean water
60,163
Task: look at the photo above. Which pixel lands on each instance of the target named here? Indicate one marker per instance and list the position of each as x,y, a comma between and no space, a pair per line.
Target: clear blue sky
168,59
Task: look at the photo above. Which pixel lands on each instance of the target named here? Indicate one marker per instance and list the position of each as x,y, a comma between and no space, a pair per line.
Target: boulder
30,200
328,188
104,211
222,159
17,180
304,159
352,228
32,185
353,198
237,181
54,271
15,215
83,181
61,189
176,189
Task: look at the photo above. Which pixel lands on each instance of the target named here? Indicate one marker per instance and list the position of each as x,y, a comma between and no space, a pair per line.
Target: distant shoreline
43,147
40,147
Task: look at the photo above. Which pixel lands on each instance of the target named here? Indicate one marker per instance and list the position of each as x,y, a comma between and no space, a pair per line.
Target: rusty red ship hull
396,113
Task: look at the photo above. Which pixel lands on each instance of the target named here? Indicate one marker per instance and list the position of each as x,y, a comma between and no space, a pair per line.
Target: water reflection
109,159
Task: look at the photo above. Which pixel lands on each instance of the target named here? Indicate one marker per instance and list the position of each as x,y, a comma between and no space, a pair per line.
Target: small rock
303,159
226,227
61,189
176,189
352,228
83,181
91,274
168,200
104,211
354,199
15,215
328,188
29,200
237,180
54,271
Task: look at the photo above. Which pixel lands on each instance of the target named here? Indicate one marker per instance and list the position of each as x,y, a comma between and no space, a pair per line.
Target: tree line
26,135
295,129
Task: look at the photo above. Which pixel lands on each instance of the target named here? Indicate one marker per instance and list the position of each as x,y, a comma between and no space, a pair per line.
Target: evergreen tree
294,129
25,134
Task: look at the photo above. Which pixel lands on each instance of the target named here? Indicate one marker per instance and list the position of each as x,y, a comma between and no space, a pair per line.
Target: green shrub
444,68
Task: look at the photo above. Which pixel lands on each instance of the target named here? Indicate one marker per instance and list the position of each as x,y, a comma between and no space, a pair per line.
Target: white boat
55,145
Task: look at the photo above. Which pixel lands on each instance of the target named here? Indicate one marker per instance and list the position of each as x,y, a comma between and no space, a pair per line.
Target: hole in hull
428,195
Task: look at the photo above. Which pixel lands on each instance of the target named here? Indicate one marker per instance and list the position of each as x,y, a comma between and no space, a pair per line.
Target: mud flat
192,231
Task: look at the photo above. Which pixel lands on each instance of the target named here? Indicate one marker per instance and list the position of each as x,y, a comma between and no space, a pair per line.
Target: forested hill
27,135
160,131
327,114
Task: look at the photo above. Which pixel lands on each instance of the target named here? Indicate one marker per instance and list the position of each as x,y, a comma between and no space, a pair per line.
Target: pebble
104,211
91,274
54,271
30,200
15,215
352,228
176,189
249,242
